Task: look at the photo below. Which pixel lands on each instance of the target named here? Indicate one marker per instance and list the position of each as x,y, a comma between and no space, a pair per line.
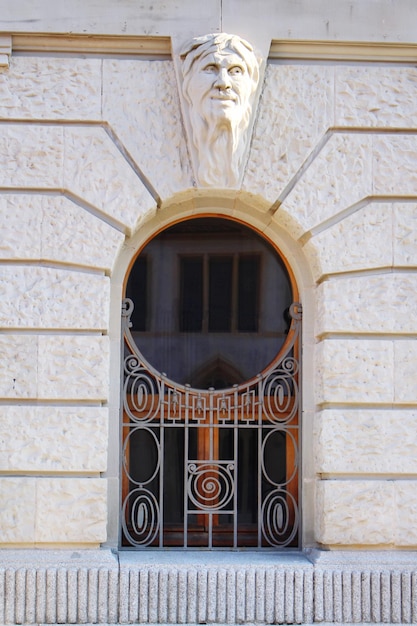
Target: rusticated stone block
148,120
18,366
71,510
294,97
405,367
369,95
353,370
73,367
70,234
96,170
17,506
339,176
31,155
354,243
405,234
52,228
44,87
405,494
394,166
21,226
366,441
355,512
53,439
40,297
383,303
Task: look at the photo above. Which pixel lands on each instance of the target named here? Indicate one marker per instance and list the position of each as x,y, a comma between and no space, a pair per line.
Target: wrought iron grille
210,468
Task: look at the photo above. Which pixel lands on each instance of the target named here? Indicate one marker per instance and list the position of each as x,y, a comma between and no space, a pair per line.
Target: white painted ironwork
268,405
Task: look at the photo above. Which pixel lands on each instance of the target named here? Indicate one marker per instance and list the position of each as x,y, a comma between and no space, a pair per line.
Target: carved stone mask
221,74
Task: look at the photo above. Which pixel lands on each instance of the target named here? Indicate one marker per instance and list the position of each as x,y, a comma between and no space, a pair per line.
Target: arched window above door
211,391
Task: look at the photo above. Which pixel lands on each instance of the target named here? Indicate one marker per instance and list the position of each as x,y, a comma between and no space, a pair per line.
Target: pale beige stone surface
21,223
71,510
31,156
354,371
17,508
370,95
382,303
53,439
18,366
354,243
44,87
96,170
394,164
358,512
405,234
340,175
71,234
40,297
295,111
53,228
73,367
141,104
405,368
406,512
366,441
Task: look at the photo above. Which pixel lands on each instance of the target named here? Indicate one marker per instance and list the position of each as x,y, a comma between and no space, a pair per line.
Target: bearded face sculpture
220,78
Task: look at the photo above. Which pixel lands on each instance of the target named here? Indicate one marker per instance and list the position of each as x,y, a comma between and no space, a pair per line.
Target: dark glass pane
191,294
174,476
220,294
137,290
275,461
248,477
248,289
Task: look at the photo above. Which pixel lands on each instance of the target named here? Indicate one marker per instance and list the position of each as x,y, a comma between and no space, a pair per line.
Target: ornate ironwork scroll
231,456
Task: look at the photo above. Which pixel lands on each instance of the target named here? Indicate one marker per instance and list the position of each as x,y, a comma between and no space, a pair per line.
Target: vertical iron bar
185,465
161,467
260,464
236,477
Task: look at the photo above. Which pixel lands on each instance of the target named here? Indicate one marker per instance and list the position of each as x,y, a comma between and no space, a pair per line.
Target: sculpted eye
210,69
236,70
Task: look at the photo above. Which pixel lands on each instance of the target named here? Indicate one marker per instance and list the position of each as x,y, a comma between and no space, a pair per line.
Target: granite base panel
105,587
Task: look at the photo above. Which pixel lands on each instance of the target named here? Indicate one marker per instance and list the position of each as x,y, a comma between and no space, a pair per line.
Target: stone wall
94,155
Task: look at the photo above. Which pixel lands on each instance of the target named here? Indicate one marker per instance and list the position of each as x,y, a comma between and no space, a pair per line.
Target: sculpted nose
222,79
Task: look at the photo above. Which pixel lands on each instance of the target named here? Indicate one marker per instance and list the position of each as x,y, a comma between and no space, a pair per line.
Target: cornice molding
344,51
91,44
5,50
137,45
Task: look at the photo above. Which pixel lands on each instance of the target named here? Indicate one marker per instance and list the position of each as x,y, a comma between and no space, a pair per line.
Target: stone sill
190,587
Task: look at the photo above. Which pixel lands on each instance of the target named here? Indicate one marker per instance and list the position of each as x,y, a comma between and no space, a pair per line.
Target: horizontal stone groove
83,204
376,406
350,210
199,594
88,332
45,402
350,476
377,271
55,265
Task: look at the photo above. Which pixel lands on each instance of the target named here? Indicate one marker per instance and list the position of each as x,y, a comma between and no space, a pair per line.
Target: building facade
98,167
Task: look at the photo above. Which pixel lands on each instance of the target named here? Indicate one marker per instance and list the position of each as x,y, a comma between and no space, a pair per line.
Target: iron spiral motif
141,391
279,518
140,517
280,392
210,484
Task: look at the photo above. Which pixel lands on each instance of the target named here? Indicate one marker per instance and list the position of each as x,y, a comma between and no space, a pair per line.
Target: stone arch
252,212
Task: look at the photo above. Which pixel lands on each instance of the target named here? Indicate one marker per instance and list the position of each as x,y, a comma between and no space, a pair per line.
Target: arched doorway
211,391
